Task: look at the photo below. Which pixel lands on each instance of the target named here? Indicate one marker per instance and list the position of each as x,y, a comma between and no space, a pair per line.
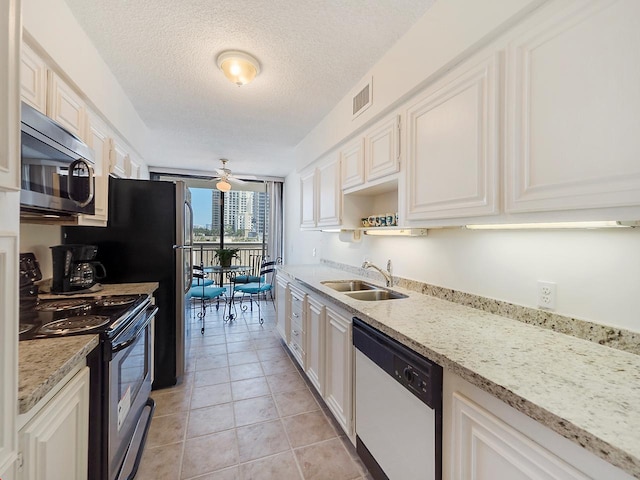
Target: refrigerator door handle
188,286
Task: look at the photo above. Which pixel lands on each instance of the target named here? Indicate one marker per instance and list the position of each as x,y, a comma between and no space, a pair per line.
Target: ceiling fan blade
231,179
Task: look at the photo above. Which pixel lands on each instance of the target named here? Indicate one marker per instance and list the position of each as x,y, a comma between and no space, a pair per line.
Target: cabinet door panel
453,146
352,164
339,369
65,106
119,160
315,344
308,200
486,448
282,314
329,198
573,109
54,444
382,149
33,79
10,95
98,139
8,347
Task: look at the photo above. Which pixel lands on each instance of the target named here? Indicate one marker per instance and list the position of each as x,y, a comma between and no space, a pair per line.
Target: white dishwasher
398,408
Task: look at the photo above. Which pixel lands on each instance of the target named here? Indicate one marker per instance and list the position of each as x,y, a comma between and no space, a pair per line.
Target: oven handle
127,343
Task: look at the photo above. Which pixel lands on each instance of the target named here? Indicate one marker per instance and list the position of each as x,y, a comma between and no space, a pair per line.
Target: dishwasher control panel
415,380
417,374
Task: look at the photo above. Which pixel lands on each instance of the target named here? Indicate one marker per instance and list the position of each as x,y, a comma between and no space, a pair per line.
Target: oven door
129,374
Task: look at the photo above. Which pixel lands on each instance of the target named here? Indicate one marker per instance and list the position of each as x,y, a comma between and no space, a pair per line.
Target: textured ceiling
312,52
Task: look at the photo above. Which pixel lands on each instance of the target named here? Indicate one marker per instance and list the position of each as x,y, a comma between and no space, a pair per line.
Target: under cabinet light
404,232
553,225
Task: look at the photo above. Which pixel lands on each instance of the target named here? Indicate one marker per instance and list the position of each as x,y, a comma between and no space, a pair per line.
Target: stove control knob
408,374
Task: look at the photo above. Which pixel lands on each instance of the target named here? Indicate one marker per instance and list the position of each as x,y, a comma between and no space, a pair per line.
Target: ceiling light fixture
239,67
223,185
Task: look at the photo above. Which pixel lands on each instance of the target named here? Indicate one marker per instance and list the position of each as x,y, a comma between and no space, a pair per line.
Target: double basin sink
361,290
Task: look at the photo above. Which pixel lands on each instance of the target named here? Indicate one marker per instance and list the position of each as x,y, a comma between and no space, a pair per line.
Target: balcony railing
204,253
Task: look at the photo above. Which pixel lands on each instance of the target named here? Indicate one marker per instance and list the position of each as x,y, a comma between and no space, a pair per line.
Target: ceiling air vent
362,99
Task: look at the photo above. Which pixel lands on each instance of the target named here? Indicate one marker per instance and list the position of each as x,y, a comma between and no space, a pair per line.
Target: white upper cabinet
320,195
382,149
47,92
134,169
9,97
65,106
308,199
352,160
120,160
98,139
33,79
372,157
452,145
329,195
573,103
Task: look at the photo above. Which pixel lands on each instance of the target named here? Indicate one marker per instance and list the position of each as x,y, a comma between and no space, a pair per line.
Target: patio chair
263,286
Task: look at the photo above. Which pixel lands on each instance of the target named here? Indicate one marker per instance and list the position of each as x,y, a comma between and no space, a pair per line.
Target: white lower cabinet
339,369
314,343
297,321
282,314
320,340
54,443
485,439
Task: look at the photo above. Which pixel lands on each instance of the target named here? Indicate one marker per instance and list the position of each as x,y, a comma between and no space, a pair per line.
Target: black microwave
56,168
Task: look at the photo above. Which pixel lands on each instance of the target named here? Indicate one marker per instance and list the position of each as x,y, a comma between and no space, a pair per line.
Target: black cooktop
77,316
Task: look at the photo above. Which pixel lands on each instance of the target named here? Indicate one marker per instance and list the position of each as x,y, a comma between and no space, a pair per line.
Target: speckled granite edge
618,338
44,362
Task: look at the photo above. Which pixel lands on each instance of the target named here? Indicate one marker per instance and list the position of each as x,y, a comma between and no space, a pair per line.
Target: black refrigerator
148,238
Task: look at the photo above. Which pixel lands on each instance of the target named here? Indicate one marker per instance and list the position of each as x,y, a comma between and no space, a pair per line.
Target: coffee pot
74,268
85,275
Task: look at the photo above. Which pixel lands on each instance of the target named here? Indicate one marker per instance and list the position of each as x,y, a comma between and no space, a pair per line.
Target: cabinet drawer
296,314
297,332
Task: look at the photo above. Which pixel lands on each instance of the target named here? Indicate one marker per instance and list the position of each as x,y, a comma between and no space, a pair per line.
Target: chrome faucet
387,275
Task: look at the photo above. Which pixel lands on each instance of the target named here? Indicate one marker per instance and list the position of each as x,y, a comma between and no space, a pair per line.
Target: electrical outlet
547,295
313,252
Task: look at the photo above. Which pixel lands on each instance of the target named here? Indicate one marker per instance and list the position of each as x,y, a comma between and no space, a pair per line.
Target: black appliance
148,239
120,408
56,169
74,268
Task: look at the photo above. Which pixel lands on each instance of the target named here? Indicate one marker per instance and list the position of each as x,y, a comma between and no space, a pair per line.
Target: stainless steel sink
375,295
349,285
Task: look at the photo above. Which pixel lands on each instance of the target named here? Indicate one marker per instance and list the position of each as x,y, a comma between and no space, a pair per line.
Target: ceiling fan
225,178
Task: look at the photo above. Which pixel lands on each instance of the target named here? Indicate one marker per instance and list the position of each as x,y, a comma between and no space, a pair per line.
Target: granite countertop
586,392
45,361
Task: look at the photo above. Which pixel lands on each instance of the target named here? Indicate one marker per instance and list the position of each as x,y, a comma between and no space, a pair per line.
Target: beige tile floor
244,412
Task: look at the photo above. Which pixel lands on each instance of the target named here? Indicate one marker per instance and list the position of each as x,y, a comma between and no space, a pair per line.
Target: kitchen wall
597,272
38,239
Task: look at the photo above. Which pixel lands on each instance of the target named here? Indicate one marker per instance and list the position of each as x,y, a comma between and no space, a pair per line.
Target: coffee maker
74,268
